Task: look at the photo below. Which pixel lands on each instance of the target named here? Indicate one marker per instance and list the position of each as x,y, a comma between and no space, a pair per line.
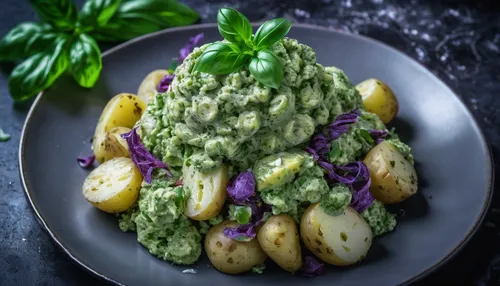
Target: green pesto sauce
162,226
380,220
356,142
207,118
336,200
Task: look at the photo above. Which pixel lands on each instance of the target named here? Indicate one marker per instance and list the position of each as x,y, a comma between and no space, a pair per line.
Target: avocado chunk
277,169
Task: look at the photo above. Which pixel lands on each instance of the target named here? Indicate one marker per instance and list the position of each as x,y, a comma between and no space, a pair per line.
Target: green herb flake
4,136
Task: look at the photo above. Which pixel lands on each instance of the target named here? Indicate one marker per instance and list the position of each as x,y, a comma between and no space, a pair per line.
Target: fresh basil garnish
60,14
267,69
86,63
225,58
139,17
234,26
97,13
221,58
270,32
39,71
25,40
66,34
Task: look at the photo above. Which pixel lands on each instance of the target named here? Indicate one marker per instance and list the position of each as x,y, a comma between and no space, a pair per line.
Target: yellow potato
339,240
148,88
231,256
114,145
278,169
113,187
123,110
378,98
394,179
207,192
279,239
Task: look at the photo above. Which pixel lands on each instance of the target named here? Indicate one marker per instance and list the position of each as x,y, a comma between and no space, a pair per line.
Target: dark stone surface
458,40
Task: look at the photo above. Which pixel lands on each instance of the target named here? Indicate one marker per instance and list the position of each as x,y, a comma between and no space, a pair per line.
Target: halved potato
231,256
114,145
206,192
339,240
378,98
279,239
394,179
148,88
113,187
123,110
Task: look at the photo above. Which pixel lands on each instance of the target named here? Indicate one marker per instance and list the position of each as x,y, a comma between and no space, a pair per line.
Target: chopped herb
4,136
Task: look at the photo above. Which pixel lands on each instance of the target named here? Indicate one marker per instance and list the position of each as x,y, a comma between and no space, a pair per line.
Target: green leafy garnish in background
66,38
242,48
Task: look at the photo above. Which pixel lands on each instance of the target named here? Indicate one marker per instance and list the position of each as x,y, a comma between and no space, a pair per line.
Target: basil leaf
220,58
61,14
138,17
25,40
85,58
96,13
179,200
267,69
234,26
270,32
39,71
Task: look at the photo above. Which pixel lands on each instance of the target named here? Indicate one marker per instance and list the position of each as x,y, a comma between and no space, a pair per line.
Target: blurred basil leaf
234,26
138,17
267,69
97,13
270,32
25,40
221,58
85,60
60,14
39,71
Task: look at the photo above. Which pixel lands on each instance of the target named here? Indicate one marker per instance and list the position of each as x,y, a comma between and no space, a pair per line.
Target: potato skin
216,179
148,88
124,110
279,239
231,256
114,145
121,182
393,178
378,98
338,240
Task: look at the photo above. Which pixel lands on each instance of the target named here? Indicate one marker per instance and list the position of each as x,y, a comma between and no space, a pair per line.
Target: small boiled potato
378,98
124,110
114,145
231,256
339,240
279,239
207,192
113,187
393,178
148,88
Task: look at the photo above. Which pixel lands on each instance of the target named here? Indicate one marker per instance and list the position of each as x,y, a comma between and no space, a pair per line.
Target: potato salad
250,151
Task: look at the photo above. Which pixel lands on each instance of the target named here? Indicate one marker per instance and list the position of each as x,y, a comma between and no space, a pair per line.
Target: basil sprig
66,38
245,49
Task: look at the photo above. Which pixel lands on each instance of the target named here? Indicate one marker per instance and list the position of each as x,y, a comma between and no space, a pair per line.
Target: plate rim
440,263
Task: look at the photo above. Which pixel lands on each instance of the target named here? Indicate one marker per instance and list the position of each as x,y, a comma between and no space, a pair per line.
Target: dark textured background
458,40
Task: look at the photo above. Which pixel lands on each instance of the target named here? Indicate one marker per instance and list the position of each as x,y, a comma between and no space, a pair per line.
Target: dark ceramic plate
452,160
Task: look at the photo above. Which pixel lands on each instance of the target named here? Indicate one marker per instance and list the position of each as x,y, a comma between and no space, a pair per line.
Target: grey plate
453,164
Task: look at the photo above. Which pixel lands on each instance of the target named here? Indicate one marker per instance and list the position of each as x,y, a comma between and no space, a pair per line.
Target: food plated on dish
249,149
